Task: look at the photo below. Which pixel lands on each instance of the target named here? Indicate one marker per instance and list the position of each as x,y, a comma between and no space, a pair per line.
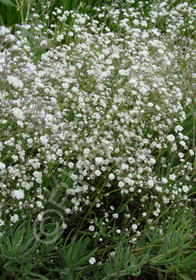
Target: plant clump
92,112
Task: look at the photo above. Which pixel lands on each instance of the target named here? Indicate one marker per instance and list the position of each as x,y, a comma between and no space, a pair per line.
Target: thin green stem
28,10
194,127
20,8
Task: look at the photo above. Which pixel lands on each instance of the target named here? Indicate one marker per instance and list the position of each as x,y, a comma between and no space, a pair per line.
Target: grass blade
8,3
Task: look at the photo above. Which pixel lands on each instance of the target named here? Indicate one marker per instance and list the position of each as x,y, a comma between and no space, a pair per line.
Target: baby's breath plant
96,150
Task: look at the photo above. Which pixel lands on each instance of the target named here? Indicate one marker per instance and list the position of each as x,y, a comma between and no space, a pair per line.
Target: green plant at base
75,257
21,254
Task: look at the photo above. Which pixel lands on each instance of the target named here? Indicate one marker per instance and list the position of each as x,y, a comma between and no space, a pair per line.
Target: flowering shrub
97,107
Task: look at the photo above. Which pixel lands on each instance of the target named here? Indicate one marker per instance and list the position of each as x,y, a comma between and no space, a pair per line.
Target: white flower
123,72
38,176
92,260
15,82
14,218
134,227
86,151
172,177
60,37
158,188
136,21
14,157
4,30
191,152
124,166
40,216
98,160
65,85
49,118
18,194
2,165
150,183
115,215
44,139
179,128
70,164
181,155
39,204
144,23
97,173
185,189
121,90
111,176
18,113
121,184
67,210
170,138
91,228
133,240
150,104
70,33
112,253
164,180
182,143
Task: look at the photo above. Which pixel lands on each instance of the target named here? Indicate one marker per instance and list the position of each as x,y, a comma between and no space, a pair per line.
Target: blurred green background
10,11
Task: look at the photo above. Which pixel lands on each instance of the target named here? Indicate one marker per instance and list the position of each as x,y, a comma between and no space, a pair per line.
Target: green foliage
21,255
75,257
18,251
174,250
8,15
124,262
8,3
67,5
170,253
18,11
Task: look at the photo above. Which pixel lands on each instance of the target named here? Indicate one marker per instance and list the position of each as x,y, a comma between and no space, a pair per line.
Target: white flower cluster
18,194
18,113
17,83
4,30
107,107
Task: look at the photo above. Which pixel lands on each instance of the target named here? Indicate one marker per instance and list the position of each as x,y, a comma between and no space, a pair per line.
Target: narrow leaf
39,275
185,277
8,3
